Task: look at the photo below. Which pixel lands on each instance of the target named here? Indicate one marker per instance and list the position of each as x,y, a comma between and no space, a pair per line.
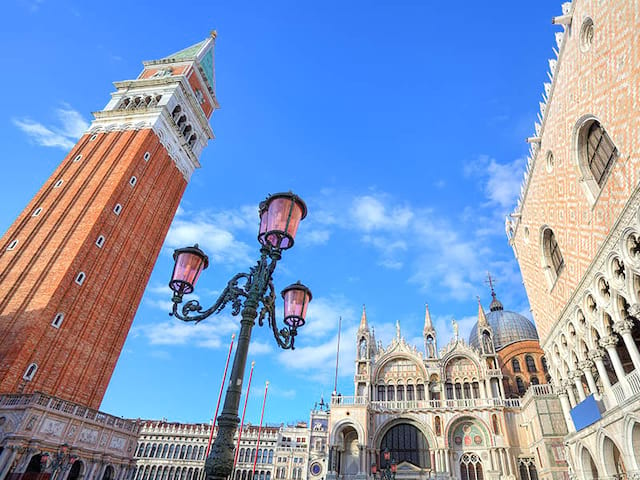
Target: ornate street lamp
280,215
388,472
61,461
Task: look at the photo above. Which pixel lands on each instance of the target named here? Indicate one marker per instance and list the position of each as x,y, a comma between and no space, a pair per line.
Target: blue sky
401,124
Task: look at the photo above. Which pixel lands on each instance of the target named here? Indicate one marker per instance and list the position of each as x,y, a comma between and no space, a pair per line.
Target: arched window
597,150
140,450
270,460
470,467
259,460
545,368
420,391
534,380
390,393
200,452
515,365
410,393
189,448
171,451
153,450
30,372
147,450
400,392
164,450
531,365
449,389
467,390
520,385
57,320
552,256
381,392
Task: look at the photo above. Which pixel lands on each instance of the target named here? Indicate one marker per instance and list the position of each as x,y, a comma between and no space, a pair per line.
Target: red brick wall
76,361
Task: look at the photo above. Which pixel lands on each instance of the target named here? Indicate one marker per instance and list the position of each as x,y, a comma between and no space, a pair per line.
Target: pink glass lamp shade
374,469
280,215
296,300
387,455
394,466
44,458
189,264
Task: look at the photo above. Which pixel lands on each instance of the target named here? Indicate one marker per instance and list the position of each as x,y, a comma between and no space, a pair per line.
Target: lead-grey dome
508,327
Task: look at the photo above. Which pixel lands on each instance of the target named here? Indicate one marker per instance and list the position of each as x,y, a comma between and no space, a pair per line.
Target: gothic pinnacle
482,318
363,319
428,326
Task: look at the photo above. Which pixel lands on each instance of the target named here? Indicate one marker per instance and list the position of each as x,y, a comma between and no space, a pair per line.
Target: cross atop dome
496,305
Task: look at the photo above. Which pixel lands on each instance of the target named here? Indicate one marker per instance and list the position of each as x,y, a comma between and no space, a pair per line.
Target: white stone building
444,414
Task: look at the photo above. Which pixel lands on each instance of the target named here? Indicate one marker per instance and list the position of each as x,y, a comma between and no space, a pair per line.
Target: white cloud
219,244
72,127
370,213
501,180
213,333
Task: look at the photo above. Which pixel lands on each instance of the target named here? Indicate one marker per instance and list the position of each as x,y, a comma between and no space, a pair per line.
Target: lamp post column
220,460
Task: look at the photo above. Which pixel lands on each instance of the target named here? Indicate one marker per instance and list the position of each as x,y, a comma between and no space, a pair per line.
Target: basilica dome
508,327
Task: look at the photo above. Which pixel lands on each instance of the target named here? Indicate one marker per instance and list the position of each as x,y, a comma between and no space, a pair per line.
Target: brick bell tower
74,265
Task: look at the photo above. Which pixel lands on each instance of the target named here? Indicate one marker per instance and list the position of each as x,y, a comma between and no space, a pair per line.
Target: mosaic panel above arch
468,433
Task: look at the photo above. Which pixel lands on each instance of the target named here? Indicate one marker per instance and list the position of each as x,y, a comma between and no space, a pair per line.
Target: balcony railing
54,404
457,404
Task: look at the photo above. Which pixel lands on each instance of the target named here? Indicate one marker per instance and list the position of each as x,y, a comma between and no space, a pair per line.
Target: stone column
569,389
487,382
576,376
89,476
495,465
609,343
500,387
483,390
566,408
361,459
623,328
596,355
447,459
503,467
6,466
586,366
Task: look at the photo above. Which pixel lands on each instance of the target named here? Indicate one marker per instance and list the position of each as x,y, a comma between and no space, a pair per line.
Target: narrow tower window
80,278
117,209
93,137
553,257
37,211
78,158
58,183
133,181
12,245
147,156
100,241
31,371
57,320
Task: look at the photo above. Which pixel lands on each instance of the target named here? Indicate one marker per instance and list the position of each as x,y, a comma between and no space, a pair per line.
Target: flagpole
224,379
335,383
264,402
244,409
